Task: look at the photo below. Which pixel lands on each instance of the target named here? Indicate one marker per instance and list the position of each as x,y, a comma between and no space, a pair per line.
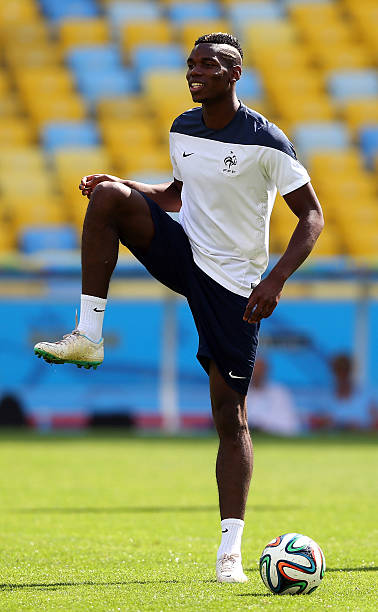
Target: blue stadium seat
106,83
249,85
348,84
62,134
63,9
121,12
49,237
94,56
193,11
149,57
369,143
322,135
241,14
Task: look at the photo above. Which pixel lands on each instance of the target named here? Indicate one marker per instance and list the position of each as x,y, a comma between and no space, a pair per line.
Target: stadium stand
95,74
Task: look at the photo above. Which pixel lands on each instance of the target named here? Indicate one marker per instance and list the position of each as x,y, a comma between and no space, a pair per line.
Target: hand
263,300
88,183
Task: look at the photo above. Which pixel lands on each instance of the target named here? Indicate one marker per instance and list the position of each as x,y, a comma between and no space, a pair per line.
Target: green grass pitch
110,522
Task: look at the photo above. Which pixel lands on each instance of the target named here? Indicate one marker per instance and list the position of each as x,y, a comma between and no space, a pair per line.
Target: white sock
92,310
232,531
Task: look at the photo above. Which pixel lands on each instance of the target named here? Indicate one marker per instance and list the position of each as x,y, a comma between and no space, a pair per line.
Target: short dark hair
221,38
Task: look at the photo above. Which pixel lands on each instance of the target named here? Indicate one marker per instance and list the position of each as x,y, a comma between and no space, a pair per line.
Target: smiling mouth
195,86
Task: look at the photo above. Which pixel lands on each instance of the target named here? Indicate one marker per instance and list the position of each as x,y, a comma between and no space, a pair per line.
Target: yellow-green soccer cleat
73,348
229,569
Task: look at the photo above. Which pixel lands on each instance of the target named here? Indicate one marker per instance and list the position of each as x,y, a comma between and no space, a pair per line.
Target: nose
195,70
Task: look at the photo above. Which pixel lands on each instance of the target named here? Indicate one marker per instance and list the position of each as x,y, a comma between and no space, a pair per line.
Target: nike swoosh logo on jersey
225,531
187,154
97,310
231,375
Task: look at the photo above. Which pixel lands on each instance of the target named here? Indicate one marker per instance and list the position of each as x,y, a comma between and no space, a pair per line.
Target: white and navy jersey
230,180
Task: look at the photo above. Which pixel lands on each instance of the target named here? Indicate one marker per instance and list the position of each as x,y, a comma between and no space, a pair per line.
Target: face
208,75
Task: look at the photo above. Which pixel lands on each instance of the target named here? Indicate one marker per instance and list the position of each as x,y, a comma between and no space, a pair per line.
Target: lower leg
235,454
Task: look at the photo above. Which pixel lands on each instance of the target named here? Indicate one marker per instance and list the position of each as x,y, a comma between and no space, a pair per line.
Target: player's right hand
88,183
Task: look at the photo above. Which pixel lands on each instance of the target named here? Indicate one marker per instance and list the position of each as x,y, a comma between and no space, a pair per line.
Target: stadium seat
157,31
16,12
182,12
320,136
368,138
250,85
49,237
241,14
10,106
16,131
120,13
92,57
277,33
25,159
7,237
30,211
122,107
151,161
189,31
131,134
83,32
345,85
151,57
359,112
36,54
345,161
288,58
61,107
56,10
107,82
343,56
26,33
302,108
39,82
66,134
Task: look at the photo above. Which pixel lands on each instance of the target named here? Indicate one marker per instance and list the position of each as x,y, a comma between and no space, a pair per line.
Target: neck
218,113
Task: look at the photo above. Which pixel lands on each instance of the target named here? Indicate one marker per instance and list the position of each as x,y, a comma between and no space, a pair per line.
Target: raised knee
106,196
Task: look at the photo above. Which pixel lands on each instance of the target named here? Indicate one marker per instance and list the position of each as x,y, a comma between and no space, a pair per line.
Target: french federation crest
230,163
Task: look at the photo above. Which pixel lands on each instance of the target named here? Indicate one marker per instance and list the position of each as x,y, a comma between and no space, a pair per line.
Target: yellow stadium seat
155,160
304,107
365,18
18,11
361,241
21,160
291,57
122,107
7,238
136,33
10,105
158,82
39,82
292,84
30,184
348,188
260,105
15,132
38,54
329,242
328,34
4,83
75,32
279,33
67,107
119,135
192,30
38,211
27,33
342,56
315,13
344,162
359,112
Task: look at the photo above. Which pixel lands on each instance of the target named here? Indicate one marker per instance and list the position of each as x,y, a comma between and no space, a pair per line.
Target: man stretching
228,162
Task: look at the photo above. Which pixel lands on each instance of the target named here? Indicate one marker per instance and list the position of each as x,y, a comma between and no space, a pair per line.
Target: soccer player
228,162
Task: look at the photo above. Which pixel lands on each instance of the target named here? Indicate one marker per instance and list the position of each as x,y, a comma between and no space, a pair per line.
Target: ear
236,73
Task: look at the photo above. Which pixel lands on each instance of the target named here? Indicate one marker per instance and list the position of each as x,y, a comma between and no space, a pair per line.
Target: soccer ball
292,563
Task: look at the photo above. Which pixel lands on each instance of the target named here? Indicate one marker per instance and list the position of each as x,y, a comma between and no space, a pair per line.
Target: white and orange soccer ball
292,563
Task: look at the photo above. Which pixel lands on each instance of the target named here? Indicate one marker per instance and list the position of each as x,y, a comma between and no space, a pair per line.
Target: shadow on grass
137,509
53,586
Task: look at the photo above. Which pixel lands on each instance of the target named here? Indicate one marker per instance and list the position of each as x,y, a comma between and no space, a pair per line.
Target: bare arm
265,297
166,195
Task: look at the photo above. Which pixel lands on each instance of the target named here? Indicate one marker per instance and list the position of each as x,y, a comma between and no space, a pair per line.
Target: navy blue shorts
218,313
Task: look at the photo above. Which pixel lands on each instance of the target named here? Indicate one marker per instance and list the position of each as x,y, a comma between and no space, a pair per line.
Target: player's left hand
263,300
